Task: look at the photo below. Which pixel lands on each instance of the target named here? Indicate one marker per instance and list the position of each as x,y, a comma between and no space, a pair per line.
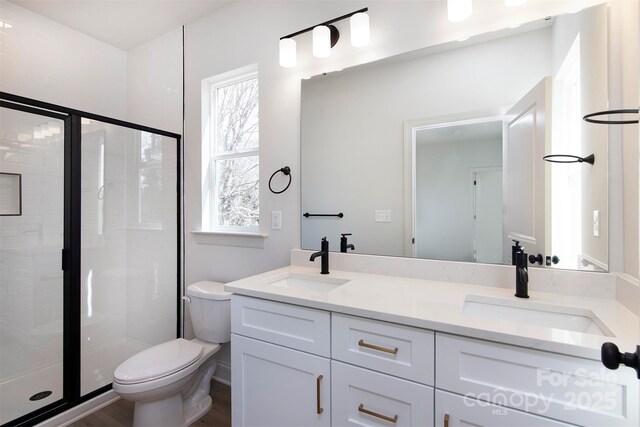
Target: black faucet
515,249
522,275
343,243
324,254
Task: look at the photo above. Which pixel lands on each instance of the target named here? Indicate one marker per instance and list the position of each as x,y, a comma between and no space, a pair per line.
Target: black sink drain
40,395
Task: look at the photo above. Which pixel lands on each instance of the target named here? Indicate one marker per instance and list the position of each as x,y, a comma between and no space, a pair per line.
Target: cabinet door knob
362,409
446,420
361,343
318,406
612,357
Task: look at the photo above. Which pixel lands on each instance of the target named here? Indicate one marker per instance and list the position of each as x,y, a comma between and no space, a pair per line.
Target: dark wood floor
120,413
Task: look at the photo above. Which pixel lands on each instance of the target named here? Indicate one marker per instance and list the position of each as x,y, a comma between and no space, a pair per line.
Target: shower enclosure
90,252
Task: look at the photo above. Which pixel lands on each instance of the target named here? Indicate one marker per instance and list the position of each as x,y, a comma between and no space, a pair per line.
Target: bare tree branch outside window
236,160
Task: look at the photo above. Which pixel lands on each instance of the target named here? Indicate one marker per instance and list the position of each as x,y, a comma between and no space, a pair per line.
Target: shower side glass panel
129,246
31,278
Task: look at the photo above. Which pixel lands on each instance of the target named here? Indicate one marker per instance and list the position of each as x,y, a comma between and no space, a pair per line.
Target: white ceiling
122,23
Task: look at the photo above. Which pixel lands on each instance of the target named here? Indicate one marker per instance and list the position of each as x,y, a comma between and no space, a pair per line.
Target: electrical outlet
276,220
596,223
383,216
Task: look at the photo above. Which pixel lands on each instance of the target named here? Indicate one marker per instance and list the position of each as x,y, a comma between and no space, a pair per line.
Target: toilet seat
159,361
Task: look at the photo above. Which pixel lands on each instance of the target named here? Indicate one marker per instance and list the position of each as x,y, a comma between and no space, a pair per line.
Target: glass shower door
129,267
32,200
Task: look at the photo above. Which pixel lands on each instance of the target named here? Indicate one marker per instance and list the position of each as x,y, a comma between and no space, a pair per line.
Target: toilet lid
158,361
209,290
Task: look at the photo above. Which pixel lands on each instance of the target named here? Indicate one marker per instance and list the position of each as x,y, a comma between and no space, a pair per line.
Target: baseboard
223,374
78,412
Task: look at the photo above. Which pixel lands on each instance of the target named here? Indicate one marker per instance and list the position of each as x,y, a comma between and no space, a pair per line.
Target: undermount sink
308,282
534,313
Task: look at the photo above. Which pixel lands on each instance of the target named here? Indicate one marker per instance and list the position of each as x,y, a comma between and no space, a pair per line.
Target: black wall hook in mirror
588,117
569,158
285,170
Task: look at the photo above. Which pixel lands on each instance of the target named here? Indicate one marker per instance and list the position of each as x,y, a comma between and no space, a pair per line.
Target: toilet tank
210,309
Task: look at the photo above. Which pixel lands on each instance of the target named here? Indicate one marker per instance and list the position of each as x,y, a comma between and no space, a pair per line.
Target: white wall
444,203
154,83
47,61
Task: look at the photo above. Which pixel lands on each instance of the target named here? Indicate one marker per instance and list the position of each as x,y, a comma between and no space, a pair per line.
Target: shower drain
40,395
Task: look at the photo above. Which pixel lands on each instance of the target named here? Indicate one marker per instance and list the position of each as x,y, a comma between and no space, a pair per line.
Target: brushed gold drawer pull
446,420
361,343
318,407
377,415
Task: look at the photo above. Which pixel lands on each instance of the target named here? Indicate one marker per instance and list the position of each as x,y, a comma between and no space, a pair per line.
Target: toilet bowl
170,382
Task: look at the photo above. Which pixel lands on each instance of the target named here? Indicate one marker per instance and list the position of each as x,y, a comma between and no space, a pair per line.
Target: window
231,201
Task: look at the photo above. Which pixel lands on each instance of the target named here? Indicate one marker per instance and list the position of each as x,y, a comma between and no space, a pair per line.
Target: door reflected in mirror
439,153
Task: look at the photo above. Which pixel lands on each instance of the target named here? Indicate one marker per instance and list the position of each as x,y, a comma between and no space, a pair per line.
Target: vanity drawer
398,350
571,389
463,411
288,325
361,397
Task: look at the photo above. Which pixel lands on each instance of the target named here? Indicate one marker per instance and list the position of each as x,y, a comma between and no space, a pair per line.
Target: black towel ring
588,117
285,170
569,158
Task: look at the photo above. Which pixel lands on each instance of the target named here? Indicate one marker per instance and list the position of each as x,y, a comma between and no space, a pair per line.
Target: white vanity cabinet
279,382
277,386
565,388
298,366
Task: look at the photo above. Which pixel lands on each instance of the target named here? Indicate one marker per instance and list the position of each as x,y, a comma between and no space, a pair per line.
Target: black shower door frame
71,252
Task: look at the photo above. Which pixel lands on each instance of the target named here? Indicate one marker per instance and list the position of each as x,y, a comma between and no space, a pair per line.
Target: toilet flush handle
186,299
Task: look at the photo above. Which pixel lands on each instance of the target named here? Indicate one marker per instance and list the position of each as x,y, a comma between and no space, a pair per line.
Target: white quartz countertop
438,306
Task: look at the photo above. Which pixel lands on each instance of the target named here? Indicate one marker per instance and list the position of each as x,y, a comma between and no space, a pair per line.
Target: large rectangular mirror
438,153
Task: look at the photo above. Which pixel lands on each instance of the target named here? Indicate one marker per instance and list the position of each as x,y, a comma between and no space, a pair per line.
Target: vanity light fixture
323,40
325,36
287,53
359,25
459,10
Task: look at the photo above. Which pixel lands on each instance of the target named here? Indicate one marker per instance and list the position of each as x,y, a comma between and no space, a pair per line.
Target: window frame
210,219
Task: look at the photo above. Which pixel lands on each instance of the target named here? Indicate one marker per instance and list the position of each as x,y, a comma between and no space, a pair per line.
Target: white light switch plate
596,223
383,215
276,220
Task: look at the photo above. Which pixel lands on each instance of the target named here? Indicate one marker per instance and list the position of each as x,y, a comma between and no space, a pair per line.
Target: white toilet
169,382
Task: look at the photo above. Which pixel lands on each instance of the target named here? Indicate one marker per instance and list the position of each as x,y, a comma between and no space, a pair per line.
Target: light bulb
287,53
459,10
321,41
360,34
